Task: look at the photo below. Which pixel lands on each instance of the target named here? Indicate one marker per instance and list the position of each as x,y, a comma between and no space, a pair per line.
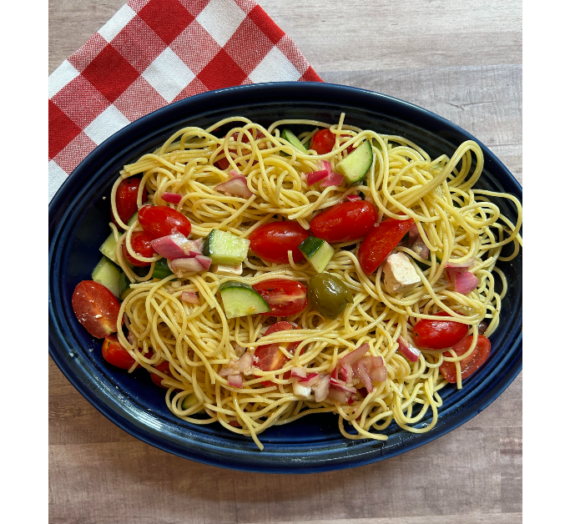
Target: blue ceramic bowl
78,225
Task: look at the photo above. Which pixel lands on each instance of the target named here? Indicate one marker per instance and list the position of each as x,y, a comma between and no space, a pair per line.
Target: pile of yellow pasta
458,221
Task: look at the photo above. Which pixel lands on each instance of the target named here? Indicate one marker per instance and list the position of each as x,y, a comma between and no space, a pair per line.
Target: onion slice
339,384
464,283
236,186
355,355
204,261
379,374
409,351
316,176
346,373
235,381
323,389
190,297
334,179
172,198
311,380
341,397
301,391
176,246
298,373
362,374
353,198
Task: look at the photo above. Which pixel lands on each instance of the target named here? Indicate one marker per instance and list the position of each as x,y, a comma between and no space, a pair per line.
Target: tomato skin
438,334
284,297
323,141
91,300
140,242
380,242
272,241
269,357
345,222
161,221
164,367
115,354
126,199
470,364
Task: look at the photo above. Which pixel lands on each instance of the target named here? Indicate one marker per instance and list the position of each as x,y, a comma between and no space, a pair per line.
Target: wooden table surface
458,58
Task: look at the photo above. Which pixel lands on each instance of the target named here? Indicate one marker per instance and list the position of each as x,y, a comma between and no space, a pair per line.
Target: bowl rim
57,344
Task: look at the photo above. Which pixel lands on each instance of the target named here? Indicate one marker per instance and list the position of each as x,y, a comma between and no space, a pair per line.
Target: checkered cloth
151,53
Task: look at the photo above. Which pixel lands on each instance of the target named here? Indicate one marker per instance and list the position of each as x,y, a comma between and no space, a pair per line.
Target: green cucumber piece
225,248
132,219
317,252
124,286
189,401
288,135
241,300
108,274
356,165
109,248
161,269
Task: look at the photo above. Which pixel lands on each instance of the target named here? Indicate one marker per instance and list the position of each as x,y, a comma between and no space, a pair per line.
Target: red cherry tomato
284,297
96,308
380,242
470,364
161,221
272,241
140,241
115,354
269,357
126,198
345,222
438,334
323,141
164,367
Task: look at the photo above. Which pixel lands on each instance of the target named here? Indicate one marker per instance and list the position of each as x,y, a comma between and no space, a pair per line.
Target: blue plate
78,225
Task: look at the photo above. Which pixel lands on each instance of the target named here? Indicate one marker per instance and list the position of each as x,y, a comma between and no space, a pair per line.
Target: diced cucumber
190,401
241,300
288,135
108,274
109,248
124,286
317,252
161,269
225,248
356,165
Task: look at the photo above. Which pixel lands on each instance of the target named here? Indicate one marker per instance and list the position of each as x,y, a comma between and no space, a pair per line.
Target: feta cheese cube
399,273
227,271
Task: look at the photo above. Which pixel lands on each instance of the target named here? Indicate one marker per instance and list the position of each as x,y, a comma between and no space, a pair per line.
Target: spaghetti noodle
457,222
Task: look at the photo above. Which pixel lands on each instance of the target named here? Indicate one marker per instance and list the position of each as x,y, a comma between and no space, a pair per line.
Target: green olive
329,295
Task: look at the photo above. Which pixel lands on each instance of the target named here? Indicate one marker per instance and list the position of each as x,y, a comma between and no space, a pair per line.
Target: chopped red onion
334,179
188,265
355,355
235,381
176,246
298,373
460,267
339,384
190,297
409,351
341,397
346,373
237,367
311,380
353,198
204,261
379,374
172,198
323,389
362,374
327,166
235,186
316,176
301,391
463,281
373,362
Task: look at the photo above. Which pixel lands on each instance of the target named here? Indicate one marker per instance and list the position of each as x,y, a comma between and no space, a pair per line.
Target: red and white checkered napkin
151,53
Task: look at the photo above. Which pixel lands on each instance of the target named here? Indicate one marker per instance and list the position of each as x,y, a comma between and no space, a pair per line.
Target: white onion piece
322,390
311,380
185,265
379,374
298,373
301,391
235,381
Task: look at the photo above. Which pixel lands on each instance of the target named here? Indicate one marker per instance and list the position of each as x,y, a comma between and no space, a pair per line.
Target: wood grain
460,59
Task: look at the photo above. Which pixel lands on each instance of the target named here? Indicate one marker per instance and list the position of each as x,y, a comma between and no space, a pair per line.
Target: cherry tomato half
96,308
161,221
272,241
284,297
126,198
164,367
380,242
438,334
345,222
470,364
323,142
269,357
141,244
115,354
